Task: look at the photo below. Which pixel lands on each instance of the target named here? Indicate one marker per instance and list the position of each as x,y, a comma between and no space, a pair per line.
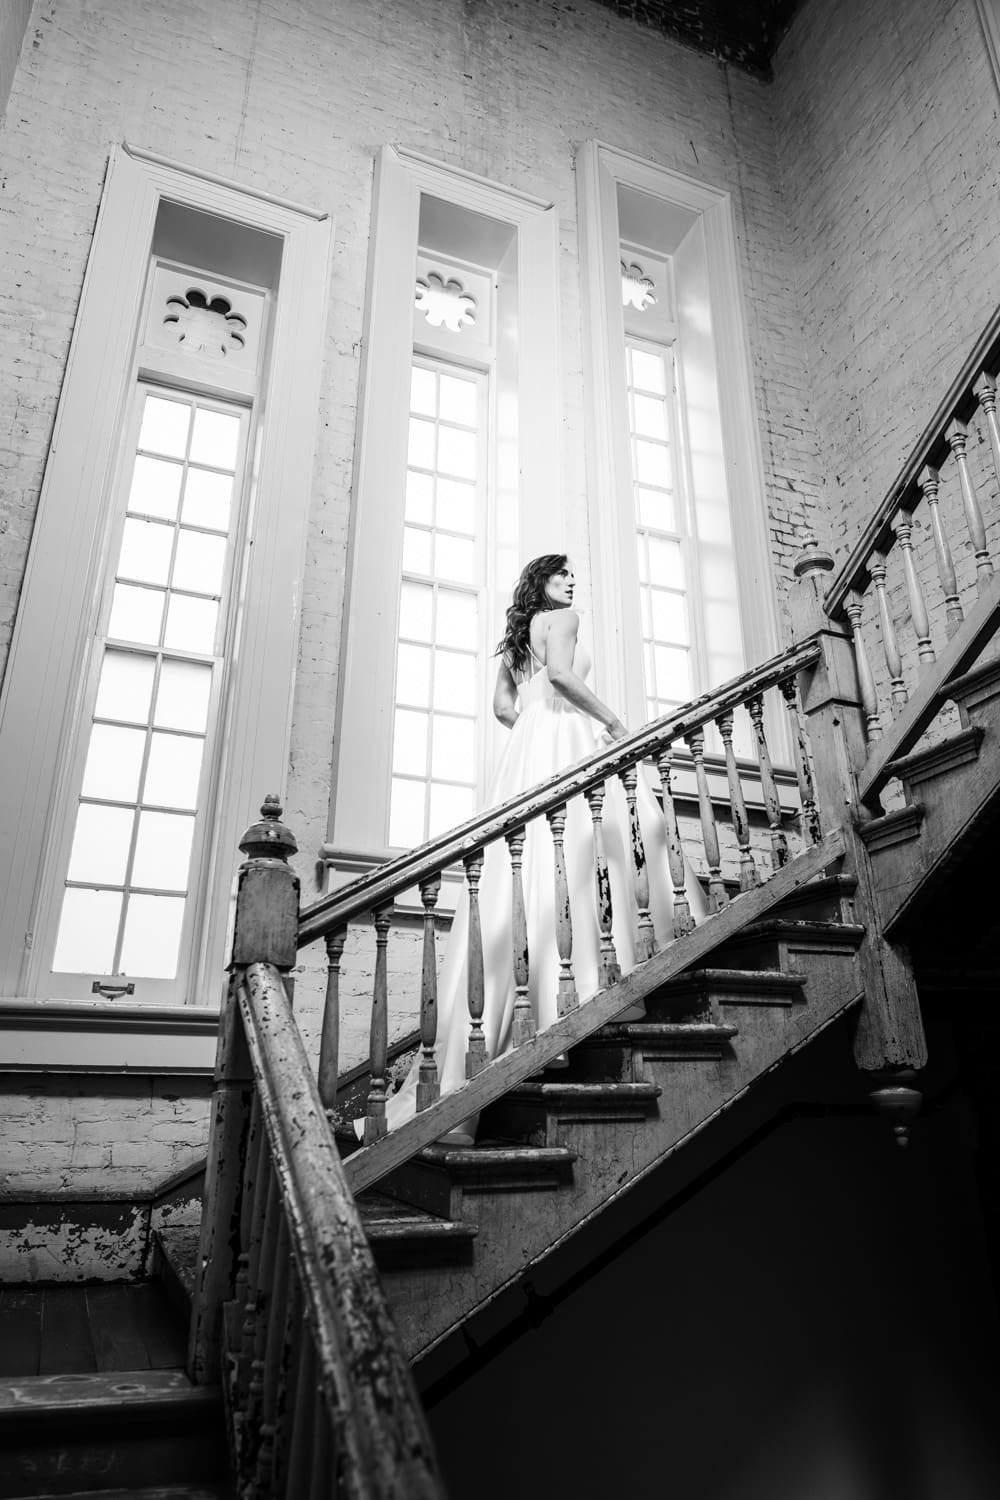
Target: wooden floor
77,1330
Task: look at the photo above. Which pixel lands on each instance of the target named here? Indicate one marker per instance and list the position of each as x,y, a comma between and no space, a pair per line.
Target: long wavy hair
528,598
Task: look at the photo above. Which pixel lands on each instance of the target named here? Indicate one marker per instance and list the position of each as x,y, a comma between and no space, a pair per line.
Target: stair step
937,760
832,894
175,1263
439,1176
773,942
156,1492
731,986
681,1039
598,1098
401,1234
975,690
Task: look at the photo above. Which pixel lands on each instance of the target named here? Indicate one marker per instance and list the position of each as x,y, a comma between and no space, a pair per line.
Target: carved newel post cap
812,559
898,1101
270,838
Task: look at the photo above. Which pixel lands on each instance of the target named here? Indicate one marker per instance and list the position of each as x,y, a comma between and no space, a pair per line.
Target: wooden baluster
302,1436
749,877
866,681
324,1479
645,937
566,998
768,787
375,1127
890,645
918,608
811,828
475,1057
329,1044
985,388
524,1021
717,895
262,1304
274,1358
956,435
609,969
683,920
255,1181
929,484
289,1390
428,1080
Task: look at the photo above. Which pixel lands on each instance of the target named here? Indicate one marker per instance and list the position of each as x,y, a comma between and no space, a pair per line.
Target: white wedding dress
550,734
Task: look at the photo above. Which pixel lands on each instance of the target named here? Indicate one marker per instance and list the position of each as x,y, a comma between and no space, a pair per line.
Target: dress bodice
535,687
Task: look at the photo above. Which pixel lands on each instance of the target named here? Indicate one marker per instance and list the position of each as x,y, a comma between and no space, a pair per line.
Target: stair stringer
516,1234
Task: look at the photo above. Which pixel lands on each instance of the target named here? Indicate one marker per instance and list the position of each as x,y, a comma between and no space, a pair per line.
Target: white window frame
44,687
365,693
617,633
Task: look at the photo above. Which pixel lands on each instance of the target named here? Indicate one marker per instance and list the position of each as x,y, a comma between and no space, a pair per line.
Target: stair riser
61,1456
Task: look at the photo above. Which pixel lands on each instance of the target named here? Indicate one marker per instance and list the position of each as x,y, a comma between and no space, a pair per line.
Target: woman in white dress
555,721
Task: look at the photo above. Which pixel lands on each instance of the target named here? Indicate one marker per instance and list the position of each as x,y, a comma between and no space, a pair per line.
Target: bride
543,699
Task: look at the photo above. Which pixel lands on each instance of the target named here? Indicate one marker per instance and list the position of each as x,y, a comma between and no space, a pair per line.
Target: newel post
889,1041
265,931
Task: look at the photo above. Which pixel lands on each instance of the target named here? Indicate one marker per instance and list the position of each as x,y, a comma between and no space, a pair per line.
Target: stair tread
751,978
153,1492
623,1092
793,927
387,1218
179,1243
119,1390
496,1157
695,1031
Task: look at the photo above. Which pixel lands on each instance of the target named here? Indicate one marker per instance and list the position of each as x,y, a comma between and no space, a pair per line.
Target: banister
930,450
381,885
386,1449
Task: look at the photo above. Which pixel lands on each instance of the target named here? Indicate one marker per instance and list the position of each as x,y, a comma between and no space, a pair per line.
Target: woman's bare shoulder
562,622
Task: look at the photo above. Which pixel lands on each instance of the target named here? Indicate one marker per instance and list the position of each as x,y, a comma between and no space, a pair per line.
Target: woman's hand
616,730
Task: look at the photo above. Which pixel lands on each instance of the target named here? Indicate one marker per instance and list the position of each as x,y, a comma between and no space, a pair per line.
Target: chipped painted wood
524,1020
475,1057
741,823
428,1082
609,970
329,1042
683,918
645,937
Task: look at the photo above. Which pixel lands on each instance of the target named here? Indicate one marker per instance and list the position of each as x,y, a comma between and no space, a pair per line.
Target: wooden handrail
380,886
959,401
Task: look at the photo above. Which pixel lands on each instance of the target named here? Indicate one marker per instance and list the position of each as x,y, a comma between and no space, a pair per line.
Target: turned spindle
475,1057
428,1082
683,921
811,829
645,937
524,1021
957,436
985,389
890,645
609,971
274,1360
566,997
929,485
375,1126
768,786
717,895
854,604
915,594
329,1043
741,823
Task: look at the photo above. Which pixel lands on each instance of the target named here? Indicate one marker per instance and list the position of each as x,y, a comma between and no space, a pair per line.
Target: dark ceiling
742,32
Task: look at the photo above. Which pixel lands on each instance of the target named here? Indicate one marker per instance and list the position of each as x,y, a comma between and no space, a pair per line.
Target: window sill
82,1036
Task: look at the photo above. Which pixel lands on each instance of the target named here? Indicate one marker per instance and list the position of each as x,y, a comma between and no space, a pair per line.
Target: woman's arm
560,648
505,697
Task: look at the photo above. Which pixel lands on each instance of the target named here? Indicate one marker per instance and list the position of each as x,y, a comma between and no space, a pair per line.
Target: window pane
458,400
641,559
114,761
656,508
673,673
155,487
456,618
409,743
666,564
152,936
647,371
145,554
191,624
413,675
207,498
164,426
420,453
455,558
456,506
406,814
419,498
650,417
415,616
453,749
88,929
457,452
125,688
455,681
449,805
416,550
669,617
173,771
136,614
652,463
163,851
100,844
215,440
183,696
200,562
423,392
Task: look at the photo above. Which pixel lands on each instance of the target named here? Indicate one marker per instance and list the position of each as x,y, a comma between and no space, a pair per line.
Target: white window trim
365,693
618,666
42,691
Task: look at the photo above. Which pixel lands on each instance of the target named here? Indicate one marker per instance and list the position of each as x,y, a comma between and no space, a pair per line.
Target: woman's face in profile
559,587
